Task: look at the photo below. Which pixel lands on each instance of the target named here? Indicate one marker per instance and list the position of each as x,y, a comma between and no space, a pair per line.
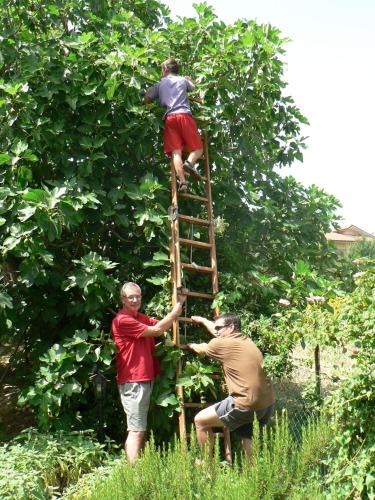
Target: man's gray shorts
135,398
241,421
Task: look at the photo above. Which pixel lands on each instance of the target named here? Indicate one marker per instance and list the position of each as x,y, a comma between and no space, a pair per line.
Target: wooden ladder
177,266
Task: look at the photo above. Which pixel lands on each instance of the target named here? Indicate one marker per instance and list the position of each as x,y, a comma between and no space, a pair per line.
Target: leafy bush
63,383
362,249
36,465
84,185
351,468
164,403
347,321
198,381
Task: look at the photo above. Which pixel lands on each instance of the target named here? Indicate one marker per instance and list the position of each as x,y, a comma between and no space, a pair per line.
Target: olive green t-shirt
244,375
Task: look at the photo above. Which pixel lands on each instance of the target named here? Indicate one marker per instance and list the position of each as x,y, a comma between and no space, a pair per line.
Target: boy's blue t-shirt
172,94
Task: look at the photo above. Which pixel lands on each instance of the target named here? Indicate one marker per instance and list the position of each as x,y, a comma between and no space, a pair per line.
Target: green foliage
278,467
197,380
36,465
277,329
276,339
63,383
362,249
351,469
347,321
164,403
257,292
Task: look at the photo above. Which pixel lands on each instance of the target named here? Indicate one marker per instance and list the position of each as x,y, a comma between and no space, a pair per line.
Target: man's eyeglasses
132,297
220,327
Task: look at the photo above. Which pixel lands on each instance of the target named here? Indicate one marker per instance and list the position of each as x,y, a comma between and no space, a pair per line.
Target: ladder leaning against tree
177,266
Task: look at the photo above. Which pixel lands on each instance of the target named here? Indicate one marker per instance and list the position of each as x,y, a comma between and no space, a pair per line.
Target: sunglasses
220,327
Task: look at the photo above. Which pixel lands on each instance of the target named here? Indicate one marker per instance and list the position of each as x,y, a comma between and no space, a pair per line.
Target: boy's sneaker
182,187
188,167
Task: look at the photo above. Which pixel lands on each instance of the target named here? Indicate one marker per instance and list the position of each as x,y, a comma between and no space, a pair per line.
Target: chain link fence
310,382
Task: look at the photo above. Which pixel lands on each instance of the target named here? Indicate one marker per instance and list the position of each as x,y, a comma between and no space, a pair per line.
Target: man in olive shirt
250,392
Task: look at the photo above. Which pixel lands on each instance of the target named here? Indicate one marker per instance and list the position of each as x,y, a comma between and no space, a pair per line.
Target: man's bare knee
198,422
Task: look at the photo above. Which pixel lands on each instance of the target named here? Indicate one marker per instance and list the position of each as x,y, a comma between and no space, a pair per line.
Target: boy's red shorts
181,130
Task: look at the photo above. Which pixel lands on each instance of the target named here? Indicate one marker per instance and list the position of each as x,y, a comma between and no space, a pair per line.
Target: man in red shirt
137,367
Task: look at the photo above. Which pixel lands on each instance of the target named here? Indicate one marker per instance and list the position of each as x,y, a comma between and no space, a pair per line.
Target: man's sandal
182,187
188,167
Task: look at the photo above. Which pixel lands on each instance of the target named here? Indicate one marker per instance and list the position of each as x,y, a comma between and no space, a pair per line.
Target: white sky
331,76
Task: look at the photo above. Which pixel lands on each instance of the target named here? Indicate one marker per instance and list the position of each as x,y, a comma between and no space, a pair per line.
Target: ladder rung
186,320
195,244
196,269
200,179
200,295
196,405
184,347
194,220
219,434
188,196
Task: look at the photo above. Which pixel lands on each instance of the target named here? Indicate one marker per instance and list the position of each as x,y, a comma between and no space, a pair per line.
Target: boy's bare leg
178,165
194,156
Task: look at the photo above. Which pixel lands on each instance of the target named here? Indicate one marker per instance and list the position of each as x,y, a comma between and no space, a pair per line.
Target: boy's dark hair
231,319
172,65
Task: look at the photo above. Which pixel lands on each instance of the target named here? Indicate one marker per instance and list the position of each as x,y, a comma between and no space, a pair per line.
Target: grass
280,468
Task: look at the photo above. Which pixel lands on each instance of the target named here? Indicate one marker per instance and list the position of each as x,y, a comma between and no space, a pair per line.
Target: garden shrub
278,465
352,465
37,465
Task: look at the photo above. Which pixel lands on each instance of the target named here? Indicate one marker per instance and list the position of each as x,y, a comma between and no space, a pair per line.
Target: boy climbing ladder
179,126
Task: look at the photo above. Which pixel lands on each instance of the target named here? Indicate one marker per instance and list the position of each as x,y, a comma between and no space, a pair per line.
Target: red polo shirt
135,360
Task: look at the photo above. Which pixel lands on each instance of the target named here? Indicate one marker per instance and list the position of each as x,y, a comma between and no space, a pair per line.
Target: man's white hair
128,284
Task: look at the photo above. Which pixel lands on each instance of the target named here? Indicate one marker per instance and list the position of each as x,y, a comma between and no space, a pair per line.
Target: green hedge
36,465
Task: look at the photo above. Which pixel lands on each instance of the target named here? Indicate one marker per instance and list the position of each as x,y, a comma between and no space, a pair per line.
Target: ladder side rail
215,281
175,230
175,253
176,267
176,284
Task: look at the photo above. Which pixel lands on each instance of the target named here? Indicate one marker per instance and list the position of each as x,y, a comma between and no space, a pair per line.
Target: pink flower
315,299
355,351
358,275
284,302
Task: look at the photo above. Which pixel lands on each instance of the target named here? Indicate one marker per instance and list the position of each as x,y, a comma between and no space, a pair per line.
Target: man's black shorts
241,421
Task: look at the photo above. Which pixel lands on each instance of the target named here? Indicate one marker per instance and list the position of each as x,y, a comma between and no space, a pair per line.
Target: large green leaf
4,158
